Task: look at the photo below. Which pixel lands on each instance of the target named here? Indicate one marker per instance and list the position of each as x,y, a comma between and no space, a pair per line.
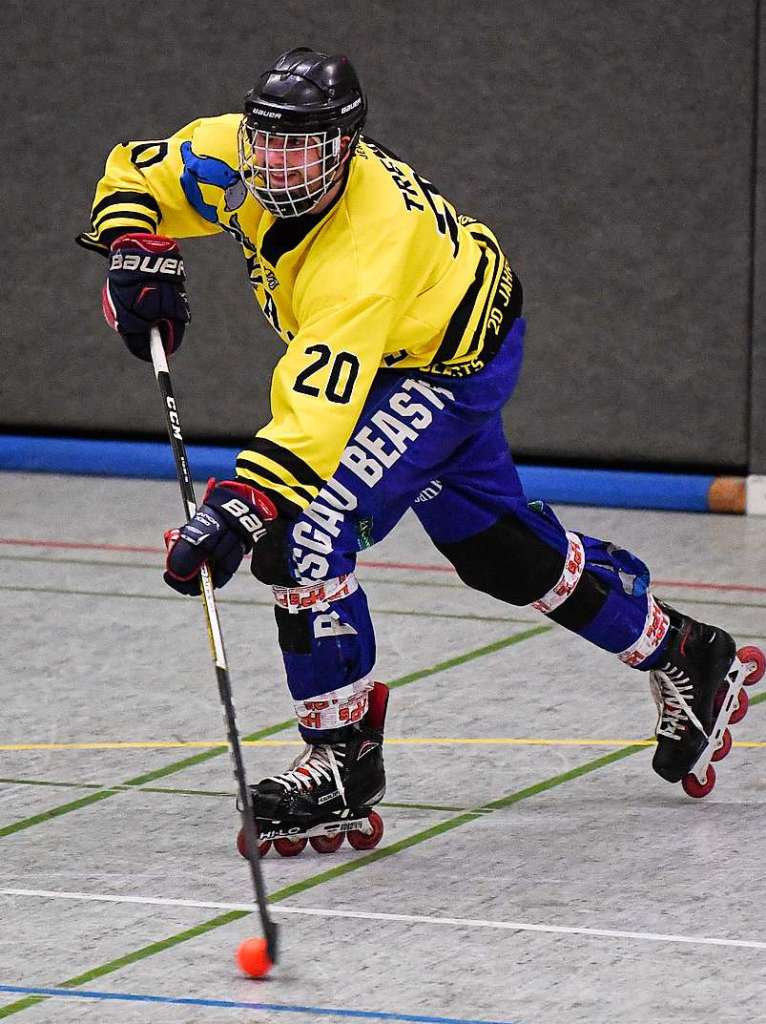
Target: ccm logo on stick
173,417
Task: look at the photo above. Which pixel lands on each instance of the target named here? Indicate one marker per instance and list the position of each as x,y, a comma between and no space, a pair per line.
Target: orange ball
253,958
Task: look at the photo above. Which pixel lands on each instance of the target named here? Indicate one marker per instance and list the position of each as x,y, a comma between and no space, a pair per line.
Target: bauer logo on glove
147,264
247,520
144,289
230,520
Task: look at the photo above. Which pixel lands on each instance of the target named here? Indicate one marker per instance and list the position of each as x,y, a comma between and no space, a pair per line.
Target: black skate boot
328,791
685,686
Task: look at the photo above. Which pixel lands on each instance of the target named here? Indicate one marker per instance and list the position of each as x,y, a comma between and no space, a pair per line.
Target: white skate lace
317,763
673,693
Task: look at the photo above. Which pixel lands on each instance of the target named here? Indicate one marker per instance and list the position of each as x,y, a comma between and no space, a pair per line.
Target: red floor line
81,545
411,566
750,588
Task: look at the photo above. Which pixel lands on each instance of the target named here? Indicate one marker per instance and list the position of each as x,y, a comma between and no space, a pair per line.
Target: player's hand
144,289
230,521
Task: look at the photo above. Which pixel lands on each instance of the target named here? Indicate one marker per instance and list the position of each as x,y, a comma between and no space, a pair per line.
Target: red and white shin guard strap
574,564
299,599
655,628
336,708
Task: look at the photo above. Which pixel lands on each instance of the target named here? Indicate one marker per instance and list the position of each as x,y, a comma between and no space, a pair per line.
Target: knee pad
507,561
525,559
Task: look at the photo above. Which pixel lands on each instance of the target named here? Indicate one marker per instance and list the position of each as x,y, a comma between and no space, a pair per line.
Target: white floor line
461,922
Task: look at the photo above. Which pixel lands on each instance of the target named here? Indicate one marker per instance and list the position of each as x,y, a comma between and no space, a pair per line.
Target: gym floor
533,868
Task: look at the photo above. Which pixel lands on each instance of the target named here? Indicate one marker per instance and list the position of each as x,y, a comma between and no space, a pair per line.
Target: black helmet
305,103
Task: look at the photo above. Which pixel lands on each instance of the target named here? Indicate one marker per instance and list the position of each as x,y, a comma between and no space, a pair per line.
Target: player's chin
292,198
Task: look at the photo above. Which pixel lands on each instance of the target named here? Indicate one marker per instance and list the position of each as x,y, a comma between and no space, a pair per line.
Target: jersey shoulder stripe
498,261
456,328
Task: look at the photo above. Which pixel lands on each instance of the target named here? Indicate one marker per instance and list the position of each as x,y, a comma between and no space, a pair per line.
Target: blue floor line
233,1004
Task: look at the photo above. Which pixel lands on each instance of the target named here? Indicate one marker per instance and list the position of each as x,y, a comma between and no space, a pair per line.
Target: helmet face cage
290,172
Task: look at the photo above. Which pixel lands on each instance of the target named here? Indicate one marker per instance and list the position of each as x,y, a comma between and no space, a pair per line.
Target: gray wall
609,145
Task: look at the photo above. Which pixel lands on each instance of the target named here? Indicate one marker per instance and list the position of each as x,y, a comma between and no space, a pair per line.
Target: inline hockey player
404,335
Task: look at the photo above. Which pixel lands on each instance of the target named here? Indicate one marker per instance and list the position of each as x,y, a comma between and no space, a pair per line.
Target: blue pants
436,445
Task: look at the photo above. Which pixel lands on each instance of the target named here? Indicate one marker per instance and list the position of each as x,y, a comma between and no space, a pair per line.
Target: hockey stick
162,373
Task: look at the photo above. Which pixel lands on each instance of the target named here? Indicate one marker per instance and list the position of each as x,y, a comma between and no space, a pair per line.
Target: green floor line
129,958
557,780
362,566
46,782
452,823
679,600
55,812
343,869
217,793
217,751
250,603
337,872
159,565
205,755
623,752
461,659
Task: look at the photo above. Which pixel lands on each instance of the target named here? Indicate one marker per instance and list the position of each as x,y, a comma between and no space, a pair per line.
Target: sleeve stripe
127,216
291,462
276,471
285,505
266,474
124,196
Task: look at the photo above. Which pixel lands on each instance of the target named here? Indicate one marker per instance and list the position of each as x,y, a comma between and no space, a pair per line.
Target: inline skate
327,793
699,691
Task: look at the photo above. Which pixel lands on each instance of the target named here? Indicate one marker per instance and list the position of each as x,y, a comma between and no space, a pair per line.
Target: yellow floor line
409,742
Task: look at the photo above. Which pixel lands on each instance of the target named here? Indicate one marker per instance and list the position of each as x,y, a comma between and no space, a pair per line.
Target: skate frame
736,676
325,828
215,637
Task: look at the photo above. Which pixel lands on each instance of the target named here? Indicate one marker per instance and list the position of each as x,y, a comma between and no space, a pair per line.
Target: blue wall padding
150,459
618,488
146,459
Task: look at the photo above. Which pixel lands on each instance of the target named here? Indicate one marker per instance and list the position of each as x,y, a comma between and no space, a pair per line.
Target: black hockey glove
232,518
144,289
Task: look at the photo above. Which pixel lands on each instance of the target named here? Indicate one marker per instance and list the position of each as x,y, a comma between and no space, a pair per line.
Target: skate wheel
755,654
739,712
723,748
360,841
740,708
263,848
693,787
327,844
290,847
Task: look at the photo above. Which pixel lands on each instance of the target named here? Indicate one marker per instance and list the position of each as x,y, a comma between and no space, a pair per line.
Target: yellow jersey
388,276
